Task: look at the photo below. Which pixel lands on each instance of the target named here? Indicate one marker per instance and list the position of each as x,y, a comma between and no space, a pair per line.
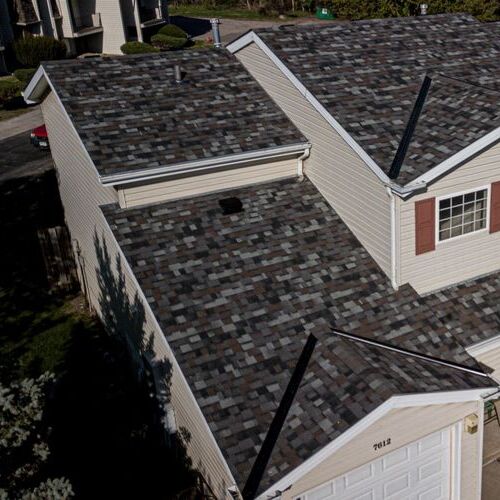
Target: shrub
173,31
32,50
9,88
24,75
137,48
165,42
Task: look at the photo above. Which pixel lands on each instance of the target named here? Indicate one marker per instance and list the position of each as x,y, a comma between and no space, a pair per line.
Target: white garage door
419,471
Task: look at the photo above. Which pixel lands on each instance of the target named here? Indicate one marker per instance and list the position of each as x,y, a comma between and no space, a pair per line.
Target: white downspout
300,162
137,17
392,198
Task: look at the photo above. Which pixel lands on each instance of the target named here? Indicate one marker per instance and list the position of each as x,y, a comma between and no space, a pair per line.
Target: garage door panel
418,471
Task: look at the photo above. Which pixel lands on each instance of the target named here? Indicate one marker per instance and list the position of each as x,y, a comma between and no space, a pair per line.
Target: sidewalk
22,123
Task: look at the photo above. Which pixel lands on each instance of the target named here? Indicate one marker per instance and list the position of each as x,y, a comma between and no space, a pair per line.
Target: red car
39,137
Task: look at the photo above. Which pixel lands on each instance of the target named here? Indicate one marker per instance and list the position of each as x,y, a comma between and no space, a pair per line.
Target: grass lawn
228,13
106,434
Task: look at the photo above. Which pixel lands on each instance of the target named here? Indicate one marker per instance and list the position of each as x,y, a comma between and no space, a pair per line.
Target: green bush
24,75
164,42
9,88
137,48
173,31
32,50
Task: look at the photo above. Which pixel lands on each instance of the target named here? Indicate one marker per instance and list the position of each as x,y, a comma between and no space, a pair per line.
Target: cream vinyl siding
336,170
113,36
185,186
453,260
402,426
81,195
488,355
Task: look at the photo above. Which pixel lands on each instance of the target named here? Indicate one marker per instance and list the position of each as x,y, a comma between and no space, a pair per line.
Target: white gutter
203,165
300,162
394,280
456,159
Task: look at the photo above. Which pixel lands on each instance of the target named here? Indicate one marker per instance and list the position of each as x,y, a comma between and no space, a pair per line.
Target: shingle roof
237,294
367,74
131,115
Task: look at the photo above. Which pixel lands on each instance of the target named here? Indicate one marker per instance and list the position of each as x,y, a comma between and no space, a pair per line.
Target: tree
23,443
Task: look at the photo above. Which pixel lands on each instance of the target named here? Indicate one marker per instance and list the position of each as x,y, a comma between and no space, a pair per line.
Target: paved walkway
22,123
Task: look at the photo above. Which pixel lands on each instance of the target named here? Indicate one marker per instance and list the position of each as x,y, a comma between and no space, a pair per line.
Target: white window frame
462,193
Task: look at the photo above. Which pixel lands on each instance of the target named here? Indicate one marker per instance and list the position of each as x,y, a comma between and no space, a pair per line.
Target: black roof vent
231,205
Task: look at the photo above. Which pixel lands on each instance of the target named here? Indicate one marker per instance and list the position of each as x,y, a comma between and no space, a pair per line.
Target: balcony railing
150,16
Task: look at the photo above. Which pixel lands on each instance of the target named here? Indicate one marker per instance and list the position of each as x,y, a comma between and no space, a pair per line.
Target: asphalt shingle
367,74
236,296
131,114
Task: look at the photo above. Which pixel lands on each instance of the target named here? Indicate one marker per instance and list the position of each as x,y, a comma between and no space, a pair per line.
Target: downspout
137,17
392,199
300,162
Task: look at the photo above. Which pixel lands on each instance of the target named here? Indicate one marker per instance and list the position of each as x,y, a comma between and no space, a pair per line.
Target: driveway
20,159
22,123
232,28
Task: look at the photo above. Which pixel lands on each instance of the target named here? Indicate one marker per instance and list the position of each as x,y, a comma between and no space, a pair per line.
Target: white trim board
402,191
400,401
484,346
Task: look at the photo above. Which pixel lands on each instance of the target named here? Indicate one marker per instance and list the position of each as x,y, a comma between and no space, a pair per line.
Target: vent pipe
216,32
177,73
423,9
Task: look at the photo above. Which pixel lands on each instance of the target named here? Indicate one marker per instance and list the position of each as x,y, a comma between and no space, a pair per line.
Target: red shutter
425,221
495,207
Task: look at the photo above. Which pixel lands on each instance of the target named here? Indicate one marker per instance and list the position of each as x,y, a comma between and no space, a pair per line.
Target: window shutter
425,225
495,207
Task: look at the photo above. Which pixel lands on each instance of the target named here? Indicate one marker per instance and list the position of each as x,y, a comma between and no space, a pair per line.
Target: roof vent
177,73
423,9
231,205
216,32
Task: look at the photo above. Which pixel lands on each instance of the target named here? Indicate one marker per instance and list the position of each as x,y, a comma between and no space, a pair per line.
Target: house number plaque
382,444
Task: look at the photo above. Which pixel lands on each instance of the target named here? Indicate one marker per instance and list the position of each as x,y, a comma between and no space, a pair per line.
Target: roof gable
367,76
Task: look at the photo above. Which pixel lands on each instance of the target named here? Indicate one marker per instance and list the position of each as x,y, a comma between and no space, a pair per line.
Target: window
462,214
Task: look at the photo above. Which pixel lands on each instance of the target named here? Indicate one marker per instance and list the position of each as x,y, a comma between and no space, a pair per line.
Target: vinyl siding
403,426
222,179
454,260
491,358
113,36
81,195
336,170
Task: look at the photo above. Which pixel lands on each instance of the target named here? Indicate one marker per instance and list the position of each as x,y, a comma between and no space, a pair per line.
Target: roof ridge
407,352
467,83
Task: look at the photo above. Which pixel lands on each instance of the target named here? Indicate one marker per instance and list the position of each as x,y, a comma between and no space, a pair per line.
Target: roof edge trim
206,164
35,87
398,401
250,37
464,154
484,346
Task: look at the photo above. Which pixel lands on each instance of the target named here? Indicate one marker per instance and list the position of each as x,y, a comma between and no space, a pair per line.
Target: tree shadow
110,410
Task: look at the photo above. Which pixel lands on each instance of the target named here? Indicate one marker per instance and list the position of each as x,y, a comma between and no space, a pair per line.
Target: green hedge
24,75
137,48
32,50
9,88
165,42
173,31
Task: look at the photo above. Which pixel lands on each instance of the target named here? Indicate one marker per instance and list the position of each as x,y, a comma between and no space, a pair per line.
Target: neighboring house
84,25
227,221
